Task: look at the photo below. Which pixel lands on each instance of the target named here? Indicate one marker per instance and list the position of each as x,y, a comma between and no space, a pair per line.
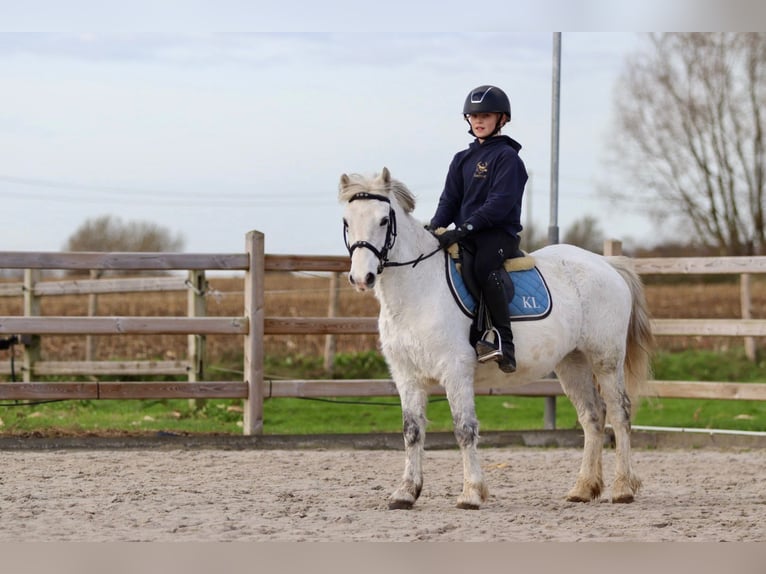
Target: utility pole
549,415
553,228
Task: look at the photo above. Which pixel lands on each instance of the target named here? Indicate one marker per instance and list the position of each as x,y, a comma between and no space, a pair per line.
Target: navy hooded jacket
484,187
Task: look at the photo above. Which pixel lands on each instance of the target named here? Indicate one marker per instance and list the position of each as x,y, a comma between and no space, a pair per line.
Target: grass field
300,416
294,356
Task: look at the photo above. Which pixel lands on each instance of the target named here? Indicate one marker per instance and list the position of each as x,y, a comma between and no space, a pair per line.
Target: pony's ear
385,175
344,180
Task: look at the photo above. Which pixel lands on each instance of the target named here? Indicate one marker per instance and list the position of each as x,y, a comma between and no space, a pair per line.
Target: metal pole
549,414
553,228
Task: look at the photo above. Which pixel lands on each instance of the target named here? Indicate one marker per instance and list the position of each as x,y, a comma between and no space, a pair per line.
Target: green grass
383,414
281,416
704,365
121,416
703,413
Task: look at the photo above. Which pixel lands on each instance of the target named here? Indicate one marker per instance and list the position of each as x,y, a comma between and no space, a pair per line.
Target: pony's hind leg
414,400
466,429
618,408
576,377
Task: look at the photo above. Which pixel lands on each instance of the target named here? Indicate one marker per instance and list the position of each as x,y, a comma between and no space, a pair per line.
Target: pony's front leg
414,402
466,428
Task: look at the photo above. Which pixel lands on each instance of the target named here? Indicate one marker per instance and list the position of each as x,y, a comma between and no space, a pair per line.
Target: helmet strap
498,127
470,128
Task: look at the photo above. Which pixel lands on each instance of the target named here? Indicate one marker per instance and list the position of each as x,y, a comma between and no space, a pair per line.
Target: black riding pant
483,253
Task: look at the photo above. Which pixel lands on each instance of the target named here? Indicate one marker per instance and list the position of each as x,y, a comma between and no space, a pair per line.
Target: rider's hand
451,236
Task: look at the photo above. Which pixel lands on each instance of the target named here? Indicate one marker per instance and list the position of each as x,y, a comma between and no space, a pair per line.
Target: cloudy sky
214,134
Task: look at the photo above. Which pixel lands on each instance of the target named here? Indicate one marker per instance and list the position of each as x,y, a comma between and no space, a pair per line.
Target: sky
213,134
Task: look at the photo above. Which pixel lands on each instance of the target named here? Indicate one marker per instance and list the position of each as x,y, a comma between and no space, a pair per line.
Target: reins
382,253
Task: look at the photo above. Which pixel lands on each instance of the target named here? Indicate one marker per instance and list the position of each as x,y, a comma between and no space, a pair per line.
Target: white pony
596,338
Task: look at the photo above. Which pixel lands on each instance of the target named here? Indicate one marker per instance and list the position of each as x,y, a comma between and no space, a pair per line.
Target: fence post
254,313
31,309
90,340
196,344
746,305
612,247
332,311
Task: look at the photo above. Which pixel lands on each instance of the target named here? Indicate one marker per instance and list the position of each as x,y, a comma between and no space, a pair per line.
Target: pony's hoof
585,491
474,493
625,488
400,505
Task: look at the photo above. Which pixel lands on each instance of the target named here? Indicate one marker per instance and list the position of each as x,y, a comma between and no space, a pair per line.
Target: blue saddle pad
531,300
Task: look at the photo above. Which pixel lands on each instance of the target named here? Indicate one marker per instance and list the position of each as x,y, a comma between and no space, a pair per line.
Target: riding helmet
487,99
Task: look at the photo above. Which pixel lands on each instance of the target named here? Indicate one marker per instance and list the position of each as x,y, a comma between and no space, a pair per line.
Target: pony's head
369,222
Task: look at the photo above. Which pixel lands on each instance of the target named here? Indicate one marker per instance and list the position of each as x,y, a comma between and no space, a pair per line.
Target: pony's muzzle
367,283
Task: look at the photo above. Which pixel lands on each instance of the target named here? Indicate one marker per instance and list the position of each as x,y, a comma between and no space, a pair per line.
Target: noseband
382,253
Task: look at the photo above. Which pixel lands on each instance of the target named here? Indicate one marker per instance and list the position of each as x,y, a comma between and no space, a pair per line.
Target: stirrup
488,347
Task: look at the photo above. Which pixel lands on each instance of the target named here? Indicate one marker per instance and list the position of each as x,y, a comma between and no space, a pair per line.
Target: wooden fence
32,290
253,324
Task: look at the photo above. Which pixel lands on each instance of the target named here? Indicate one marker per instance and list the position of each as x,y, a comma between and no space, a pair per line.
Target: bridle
382,253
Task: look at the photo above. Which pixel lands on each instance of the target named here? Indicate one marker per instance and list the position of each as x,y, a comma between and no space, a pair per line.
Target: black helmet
487,99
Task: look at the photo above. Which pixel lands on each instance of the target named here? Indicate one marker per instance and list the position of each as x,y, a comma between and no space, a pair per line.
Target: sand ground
340,495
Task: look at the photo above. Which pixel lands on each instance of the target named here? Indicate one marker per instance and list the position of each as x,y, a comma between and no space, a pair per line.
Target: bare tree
690,115
586,233
107,233
532,238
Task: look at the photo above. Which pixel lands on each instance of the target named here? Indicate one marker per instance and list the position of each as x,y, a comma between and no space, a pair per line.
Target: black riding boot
496,301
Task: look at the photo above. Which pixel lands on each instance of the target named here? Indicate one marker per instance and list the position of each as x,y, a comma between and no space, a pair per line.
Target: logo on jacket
481,170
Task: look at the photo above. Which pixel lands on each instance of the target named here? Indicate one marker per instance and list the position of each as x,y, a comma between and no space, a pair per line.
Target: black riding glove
451,236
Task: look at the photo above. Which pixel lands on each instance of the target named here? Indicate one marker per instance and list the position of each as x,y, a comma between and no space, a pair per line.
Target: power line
156,197
128,196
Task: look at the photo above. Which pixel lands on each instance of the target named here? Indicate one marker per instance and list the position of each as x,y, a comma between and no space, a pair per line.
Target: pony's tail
640,340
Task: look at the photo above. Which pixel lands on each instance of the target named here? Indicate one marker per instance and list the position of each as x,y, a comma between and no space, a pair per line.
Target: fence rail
124,390
124,325
123,261
700,265
98,286
253,324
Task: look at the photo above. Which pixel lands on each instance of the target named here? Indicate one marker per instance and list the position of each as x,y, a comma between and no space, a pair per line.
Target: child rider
482,197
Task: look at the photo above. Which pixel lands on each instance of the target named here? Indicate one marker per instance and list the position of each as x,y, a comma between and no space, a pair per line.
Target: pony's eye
345,222
384,221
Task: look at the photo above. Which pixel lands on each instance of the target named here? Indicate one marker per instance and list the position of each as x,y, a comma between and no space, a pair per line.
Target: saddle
531,299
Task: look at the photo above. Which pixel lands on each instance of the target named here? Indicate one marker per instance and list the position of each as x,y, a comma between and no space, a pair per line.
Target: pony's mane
395,189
